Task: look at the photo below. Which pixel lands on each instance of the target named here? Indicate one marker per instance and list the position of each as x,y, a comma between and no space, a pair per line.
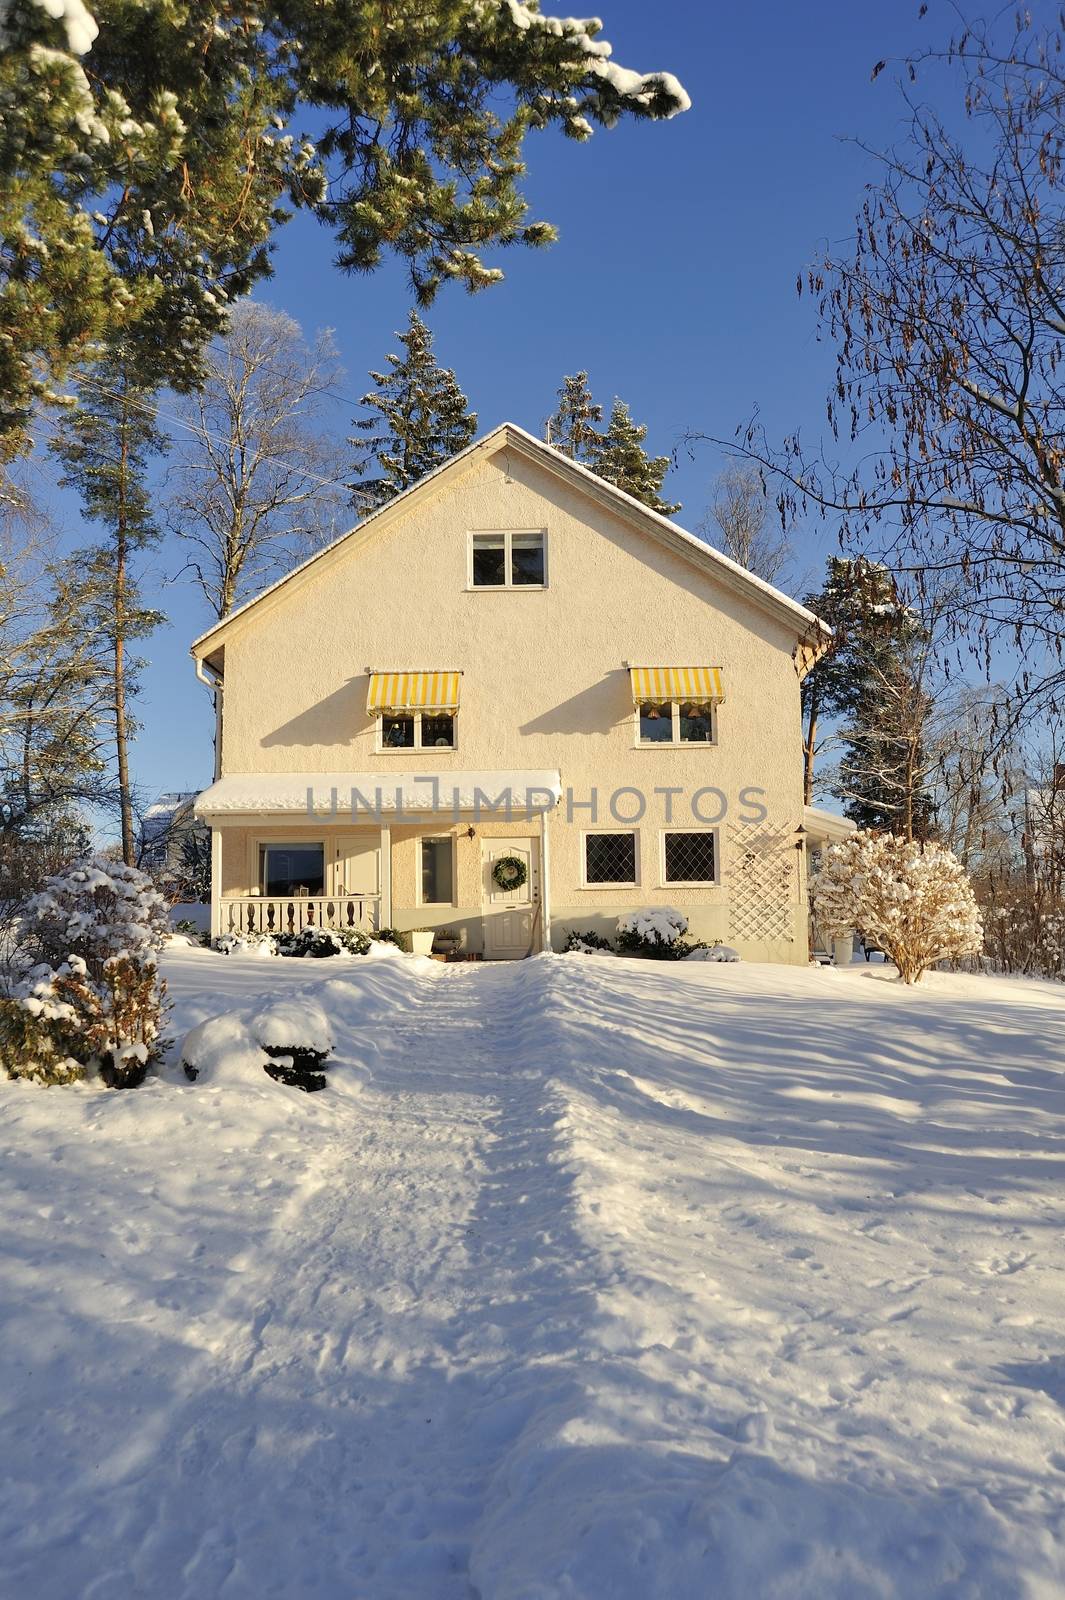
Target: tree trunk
808,747
125,799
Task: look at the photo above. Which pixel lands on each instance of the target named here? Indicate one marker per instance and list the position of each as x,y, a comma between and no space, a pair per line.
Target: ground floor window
690,857
438,872
290,869
610,858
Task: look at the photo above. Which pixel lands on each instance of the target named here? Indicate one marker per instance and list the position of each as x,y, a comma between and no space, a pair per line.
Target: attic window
508,560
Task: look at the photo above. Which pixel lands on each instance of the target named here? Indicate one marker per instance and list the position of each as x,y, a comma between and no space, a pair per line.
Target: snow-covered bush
321,942
1024,930
587,944
913,901
93,995
656,931
289,1041
713,952
97,909
245,944
40,1030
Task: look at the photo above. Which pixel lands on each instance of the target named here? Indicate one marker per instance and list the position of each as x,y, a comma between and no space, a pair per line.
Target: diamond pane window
691,857
610,858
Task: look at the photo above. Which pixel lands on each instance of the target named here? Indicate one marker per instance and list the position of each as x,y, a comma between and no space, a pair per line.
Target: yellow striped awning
413,691
699,684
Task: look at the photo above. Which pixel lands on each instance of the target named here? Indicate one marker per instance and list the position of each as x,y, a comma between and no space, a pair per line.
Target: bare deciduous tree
948,317
738,523
258,481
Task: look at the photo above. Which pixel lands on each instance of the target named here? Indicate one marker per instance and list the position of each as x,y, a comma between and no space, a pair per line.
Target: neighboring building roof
161,814
347,794
510,435
826,824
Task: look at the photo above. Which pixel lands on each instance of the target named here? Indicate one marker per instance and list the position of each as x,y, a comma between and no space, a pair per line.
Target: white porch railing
259,913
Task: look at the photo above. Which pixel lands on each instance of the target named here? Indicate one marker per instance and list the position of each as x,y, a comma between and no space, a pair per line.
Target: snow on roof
705,553
321,795
158,817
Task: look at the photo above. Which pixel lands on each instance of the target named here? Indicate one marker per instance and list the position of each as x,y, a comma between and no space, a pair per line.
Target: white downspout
545,883
215,685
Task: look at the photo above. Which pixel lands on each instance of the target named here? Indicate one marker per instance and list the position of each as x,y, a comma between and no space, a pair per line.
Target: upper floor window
508,560
417,730
675,722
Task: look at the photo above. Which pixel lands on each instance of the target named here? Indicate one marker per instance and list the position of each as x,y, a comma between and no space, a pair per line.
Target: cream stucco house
513,659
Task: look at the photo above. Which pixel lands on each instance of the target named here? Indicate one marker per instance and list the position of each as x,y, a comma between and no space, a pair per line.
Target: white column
216,882
545,882
386,878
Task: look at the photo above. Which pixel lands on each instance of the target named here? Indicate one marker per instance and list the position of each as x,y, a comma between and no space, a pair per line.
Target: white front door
511,929
357,865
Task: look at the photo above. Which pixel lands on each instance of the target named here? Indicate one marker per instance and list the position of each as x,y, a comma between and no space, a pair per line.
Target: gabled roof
508,435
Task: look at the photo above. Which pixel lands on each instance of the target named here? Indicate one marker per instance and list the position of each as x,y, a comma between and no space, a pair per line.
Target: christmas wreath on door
510,872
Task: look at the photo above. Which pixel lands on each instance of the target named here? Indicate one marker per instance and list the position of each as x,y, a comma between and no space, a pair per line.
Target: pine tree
618,456
138,198
571,428
420,419
105,445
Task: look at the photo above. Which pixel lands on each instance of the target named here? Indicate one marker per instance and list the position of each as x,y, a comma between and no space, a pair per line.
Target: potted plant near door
421,941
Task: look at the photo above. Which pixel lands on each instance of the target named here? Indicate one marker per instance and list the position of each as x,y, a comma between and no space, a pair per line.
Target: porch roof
352,795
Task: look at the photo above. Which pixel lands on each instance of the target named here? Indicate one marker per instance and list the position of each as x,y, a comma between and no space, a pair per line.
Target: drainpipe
215,684
545,882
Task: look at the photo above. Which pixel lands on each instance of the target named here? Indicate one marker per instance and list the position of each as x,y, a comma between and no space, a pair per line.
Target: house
169,839
512,703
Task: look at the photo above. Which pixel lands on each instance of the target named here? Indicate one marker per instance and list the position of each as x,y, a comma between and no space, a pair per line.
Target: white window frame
675,742
437,838
417,747
508,585
689,883
633,833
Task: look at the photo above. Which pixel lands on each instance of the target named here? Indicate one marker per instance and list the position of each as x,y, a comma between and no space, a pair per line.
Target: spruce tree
571,428
420,418
105,444
618,456
872,682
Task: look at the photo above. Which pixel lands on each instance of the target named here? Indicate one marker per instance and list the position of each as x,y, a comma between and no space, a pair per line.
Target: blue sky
673,281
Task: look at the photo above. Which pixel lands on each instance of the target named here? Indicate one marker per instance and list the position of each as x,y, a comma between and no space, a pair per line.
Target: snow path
613,1280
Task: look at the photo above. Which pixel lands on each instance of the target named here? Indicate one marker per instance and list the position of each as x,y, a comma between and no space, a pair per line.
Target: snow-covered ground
584,1279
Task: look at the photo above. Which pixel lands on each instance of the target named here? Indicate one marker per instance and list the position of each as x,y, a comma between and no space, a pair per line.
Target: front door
511,926
357,864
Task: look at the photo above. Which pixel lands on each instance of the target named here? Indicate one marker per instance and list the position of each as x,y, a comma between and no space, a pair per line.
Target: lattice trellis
761,884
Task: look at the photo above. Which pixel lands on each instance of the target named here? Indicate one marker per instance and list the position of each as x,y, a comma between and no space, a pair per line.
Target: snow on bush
587,944
92,997
288,1040
656,931
245,944
321,942
297,1029
914,901
97,909
713,952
